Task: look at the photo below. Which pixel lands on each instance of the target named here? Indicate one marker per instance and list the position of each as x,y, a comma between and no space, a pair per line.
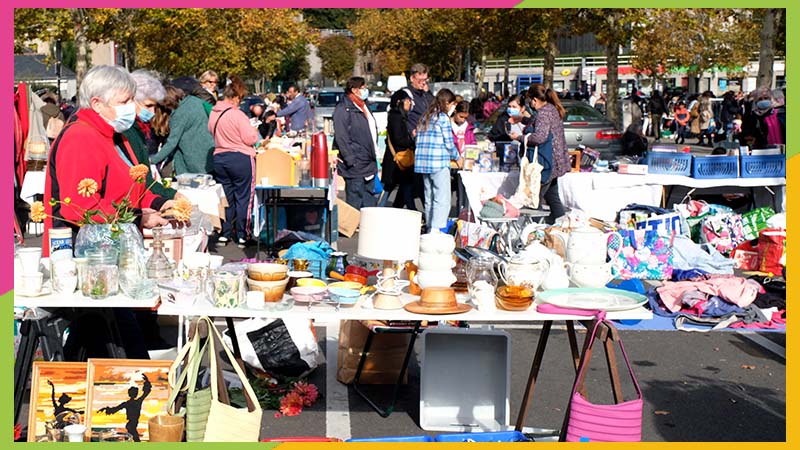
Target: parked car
327,98
583,125
379,106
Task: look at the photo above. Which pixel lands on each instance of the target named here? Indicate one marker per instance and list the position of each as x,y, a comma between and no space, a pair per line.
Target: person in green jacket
189,139
149,92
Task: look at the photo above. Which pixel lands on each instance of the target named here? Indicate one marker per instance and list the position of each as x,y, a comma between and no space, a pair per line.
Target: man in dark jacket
421,96
657,108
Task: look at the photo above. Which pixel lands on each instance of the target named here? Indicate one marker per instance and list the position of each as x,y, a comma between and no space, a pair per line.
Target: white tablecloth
211,201
482,186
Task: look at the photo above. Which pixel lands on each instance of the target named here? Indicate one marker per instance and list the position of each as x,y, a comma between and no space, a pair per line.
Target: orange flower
291,404
308,392
37,212
182,210
138,172
87,187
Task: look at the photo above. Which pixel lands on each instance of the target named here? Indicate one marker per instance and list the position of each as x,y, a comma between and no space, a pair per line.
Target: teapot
556,277
524,270
587,245
590,275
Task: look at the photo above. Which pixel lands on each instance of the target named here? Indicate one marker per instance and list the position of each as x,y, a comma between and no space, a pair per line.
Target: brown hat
437,300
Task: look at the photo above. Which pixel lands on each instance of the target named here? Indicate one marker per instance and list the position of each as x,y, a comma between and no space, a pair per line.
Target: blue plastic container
394,439
669,163
763,166
708,167
489,436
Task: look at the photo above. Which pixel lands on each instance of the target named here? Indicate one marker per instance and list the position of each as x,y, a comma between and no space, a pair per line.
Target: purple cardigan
548,120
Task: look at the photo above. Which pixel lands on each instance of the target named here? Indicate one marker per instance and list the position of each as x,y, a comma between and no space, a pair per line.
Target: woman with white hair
149,92
92,146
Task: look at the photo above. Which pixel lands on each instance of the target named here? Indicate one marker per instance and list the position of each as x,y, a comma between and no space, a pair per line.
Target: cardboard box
348,218
385,354
277,165
633,169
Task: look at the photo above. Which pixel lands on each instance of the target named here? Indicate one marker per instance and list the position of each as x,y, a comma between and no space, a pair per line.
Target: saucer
43,292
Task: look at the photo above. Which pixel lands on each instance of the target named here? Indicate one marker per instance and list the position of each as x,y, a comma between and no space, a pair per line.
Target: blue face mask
145,115
364,93
764,104
513,112
126,114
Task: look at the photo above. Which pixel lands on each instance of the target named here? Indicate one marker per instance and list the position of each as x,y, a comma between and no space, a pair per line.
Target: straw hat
437,300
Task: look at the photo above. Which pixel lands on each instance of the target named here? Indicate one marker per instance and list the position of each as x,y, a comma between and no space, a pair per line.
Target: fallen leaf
748,366
661,413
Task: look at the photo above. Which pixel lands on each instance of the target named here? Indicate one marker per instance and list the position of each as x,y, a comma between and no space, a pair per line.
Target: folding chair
380,328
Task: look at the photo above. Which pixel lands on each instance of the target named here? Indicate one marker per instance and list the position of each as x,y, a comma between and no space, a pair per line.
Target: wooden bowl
273,290
267,271
505,305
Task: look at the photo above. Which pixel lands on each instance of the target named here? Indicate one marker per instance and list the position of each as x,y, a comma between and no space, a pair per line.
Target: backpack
54,127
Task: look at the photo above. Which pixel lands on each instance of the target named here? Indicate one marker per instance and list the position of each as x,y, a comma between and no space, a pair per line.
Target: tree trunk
81,44
612,52
459,65
551,51
506,64
766,56
482,72
130,53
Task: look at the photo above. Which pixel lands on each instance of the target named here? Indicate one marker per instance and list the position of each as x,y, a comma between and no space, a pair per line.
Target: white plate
593,298
45,291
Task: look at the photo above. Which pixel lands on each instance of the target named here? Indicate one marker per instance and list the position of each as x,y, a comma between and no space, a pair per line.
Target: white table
210,200
601,195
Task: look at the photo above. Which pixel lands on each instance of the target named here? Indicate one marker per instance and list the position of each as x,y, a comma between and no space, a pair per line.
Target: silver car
587,126
327,98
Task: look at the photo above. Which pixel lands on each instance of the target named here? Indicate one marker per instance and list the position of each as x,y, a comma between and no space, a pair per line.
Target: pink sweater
234,132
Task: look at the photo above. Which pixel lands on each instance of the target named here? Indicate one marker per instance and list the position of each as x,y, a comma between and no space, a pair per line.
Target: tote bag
641,254
621,422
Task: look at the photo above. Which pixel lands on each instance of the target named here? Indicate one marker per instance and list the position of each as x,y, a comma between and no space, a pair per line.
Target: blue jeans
234,171
437,198
358,192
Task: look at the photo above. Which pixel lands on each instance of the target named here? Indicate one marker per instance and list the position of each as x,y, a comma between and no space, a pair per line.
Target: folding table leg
390,407
534,373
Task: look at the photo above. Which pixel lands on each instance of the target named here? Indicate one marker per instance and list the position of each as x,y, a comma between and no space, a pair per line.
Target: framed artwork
575,160
124,394
58,390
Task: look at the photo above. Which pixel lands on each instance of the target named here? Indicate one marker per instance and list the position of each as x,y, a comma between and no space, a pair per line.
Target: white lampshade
389,234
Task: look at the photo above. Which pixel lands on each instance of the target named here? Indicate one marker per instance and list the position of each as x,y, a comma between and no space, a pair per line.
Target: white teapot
524,271
588,245
557,277
590,275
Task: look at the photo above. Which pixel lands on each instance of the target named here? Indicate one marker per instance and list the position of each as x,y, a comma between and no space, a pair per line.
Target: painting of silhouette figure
58,396
124,394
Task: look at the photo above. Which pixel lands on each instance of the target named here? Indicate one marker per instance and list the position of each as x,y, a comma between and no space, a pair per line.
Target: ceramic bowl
508,306
352,285
267,271
306,294
343,296
515,294
356,270
311,282
435,278
437,243
356,278
436,261
273,290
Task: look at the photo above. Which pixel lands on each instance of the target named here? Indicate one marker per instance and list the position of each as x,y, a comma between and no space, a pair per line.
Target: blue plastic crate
395,439
489,436
669,163
763,166
707,167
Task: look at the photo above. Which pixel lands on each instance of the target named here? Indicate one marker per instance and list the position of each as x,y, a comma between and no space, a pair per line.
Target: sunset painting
125,393
57,389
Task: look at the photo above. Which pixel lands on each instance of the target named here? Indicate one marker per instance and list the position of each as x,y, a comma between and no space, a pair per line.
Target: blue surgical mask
364,93
126,114
145,115
764,104
513,112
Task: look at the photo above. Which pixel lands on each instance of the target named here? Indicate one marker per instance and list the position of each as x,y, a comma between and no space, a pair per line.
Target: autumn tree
770,23
338,57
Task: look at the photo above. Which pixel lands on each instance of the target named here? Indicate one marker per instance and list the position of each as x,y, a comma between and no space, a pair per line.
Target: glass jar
481,279
131,271
227,289
102,274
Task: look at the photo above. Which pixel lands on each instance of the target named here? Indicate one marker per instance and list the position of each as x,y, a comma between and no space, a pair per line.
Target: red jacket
86,149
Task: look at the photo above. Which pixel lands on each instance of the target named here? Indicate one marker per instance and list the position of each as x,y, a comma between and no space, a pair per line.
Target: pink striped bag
620,422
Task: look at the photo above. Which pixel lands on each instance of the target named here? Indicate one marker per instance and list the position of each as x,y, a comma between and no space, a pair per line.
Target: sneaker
222,240
241,243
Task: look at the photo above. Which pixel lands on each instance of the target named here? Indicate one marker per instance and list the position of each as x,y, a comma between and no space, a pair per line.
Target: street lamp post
58,69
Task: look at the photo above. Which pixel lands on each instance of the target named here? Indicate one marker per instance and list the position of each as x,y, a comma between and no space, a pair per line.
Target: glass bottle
130,270
481,280
102,274
158,266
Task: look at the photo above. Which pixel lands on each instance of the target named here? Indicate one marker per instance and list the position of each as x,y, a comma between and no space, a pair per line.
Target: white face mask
451,110
126,115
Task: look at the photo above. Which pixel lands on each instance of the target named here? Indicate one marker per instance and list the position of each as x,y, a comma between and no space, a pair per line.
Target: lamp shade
389,234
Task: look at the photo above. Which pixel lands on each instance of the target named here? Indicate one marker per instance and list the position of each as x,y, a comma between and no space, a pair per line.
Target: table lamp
390,235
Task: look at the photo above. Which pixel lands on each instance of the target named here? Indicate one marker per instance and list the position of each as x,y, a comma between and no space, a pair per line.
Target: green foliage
338,57
333,18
